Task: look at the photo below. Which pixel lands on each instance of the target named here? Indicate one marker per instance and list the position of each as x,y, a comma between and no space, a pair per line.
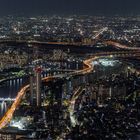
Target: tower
38,86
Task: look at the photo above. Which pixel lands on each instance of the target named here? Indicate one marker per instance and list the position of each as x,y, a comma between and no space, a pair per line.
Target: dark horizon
69,7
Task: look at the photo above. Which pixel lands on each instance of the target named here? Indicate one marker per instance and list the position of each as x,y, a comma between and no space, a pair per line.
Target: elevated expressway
88,67
120,46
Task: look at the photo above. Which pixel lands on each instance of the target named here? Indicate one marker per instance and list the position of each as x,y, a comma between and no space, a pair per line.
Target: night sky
67,7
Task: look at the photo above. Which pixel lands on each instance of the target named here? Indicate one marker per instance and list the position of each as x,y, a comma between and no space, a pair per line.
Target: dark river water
11,88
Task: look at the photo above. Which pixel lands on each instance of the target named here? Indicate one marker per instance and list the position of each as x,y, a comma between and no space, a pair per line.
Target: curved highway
88,67
120,46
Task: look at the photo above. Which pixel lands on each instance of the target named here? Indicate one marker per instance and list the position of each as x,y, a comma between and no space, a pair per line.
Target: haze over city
68,7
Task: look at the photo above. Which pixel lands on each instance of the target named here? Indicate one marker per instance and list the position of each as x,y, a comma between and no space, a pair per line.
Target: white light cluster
17,124
106,62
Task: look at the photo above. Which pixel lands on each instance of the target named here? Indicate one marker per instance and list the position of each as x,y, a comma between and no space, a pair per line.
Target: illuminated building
38,86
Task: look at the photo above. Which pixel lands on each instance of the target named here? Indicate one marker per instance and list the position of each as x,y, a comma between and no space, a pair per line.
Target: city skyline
69,69
79,7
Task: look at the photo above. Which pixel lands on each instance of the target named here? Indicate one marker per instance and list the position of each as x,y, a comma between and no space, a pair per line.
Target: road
120,46
88,67
71,109
99,33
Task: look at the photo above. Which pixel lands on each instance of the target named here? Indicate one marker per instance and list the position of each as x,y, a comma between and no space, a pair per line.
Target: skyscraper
38,86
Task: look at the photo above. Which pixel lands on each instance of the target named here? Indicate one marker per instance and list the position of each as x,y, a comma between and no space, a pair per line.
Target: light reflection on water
11,88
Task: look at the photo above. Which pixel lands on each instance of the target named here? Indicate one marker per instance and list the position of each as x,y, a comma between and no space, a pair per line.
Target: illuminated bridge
7,99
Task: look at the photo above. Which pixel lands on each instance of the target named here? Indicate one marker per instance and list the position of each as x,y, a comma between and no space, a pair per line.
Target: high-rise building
38,86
